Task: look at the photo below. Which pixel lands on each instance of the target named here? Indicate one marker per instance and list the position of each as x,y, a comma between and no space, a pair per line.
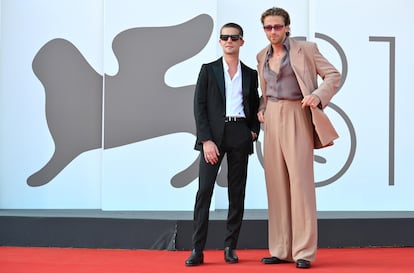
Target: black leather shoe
230,255
301,263
196,258
273,260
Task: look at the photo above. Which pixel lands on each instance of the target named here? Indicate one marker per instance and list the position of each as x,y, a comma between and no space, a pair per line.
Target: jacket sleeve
254,104
330,76
200,106
260,63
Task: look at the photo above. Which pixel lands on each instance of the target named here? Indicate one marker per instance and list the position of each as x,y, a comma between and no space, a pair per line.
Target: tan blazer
307,63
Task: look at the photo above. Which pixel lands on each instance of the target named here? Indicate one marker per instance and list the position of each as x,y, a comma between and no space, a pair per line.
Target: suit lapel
297,61
245,80
219,74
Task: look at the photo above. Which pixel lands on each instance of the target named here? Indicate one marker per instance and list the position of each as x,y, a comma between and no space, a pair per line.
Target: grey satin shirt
282,85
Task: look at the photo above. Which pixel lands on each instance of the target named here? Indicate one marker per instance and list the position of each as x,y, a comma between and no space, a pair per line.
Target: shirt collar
226,66
285,43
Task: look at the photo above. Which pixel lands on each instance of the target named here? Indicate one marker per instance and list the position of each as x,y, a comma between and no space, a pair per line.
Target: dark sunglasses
233,37
275,27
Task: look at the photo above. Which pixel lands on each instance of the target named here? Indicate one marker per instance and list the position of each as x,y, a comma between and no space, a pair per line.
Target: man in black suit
226,102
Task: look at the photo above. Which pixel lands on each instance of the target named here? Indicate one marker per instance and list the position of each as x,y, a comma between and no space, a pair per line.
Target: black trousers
236,144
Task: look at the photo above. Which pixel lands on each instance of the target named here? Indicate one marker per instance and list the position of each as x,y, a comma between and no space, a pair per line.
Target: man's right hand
260,116
211,152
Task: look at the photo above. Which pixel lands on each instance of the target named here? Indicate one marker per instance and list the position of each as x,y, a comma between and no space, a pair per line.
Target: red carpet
70,260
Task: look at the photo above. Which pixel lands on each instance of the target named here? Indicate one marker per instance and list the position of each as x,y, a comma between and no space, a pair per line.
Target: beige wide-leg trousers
288,165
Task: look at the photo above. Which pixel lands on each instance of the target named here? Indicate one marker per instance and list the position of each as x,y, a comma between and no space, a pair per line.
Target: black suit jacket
210,102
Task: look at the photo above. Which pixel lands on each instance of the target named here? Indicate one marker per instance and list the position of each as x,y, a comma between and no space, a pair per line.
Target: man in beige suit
291,111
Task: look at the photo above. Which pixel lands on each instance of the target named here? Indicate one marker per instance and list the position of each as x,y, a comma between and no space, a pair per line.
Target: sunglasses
233,37
275,27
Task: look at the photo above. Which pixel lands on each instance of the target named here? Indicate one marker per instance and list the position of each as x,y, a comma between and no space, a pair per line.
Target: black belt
234,119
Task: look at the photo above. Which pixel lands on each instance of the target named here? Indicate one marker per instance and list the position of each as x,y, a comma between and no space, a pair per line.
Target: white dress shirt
234,97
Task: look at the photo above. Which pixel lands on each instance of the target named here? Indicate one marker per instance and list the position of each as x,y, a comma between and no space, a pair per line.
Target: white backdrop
137,176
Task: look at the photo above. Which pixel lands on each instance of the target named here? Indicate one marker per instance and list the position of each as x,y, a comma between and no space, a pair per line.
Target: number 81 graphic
347,121
176,181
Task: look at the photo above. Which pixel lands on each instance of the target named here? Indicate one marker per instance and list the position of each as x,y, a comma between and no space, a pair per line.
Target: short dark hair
274,11
233,25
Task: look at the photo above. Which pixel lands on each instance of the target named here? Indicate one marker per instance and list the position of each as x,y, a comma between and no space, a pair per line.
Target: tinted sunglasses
275,27
233,37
